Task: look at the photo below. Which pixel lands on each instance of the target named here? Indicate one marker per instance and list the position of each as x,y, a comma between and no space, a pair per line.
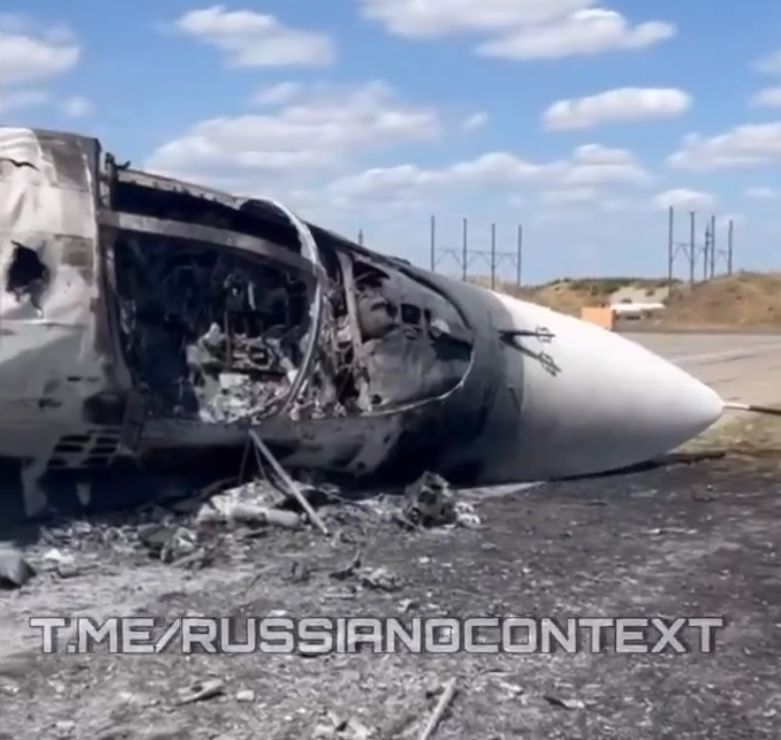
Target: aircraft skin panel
595,401
48,249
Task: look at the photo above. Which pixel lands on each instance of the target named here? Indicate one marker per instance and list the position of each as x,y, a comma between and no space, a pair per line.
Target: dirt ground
692,537
745,301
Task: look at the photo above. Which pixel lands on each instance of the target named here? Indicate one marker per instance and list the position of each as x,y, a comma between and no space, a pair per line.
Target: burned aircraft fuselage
148,324
149,319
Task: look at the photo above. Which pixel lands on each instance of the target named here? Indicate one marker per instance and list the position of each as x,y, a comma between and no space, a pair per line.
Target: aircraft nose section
594,401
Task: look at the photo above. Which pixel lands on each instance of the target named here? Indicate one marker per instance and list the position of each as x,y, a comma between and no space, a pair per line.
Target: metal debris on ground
233,504
201,691
348,572
300,572
245,696
511,688
168,543
448,693
429,502
379,579
291,485
63,564
64,728
251,505
175,545
15,571
58,558
334,727
565,703
343,594
466,516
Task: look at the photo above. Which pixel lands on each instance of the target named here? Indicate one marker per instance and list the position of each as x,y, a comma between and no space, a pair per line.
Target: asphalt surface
690,537
740,367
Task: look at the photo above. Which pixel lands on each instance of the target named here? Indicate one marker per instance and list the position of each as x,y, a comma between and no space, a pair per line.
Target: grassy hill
743,301
571,295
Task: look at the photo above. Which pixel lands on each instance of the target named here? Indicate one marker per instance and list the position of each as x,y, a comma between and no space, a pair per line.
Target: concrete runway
740,367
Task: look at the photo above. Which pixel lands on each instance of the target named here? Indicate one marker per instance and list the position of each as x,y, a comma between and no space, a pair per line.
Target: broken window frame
112,222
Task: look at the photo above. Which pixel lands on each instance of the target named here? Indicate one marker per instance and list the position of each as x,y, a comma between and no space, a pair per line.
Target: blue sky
579,119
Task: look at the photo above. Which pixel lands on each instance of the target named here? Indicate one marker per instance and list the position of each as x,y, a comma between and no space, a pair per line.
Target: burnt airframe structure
152,322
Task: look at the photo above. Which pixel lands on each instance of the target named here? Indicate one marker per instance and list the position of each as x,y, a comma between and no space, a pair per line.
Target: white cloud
475,121
761,193
22,99
743,146
768,98
252,39
76,106
591,167
770,64
622,104
594,165
519,29
73,107
566,196
585,32
27,54
691,200
436,18
278,94
329,126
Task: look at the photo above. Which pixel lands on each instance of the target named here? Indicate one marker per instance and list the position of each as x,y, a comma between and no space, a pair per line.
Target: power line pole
493,256
465,251
519,264
712,247
433,243
730,246
670,250
692,247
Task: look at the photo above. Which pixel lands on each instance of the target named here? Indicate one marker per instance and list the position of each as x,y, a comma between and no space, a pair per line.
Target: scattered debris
448,693
466,516
429,502
290,483
300,572
344,594
511,688
380,579
175,545
58,558
336,728
201,691
15,571
235,504
245,696
565,703
230,510
65,727
350,570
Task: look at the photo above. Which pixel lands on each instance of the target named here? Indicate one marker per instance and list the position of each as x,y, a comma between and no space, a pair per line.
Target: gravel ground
683,539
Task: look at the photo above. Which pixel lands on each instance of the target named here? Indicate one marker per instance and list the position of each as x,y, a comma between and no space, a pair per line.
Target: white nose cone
594,401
